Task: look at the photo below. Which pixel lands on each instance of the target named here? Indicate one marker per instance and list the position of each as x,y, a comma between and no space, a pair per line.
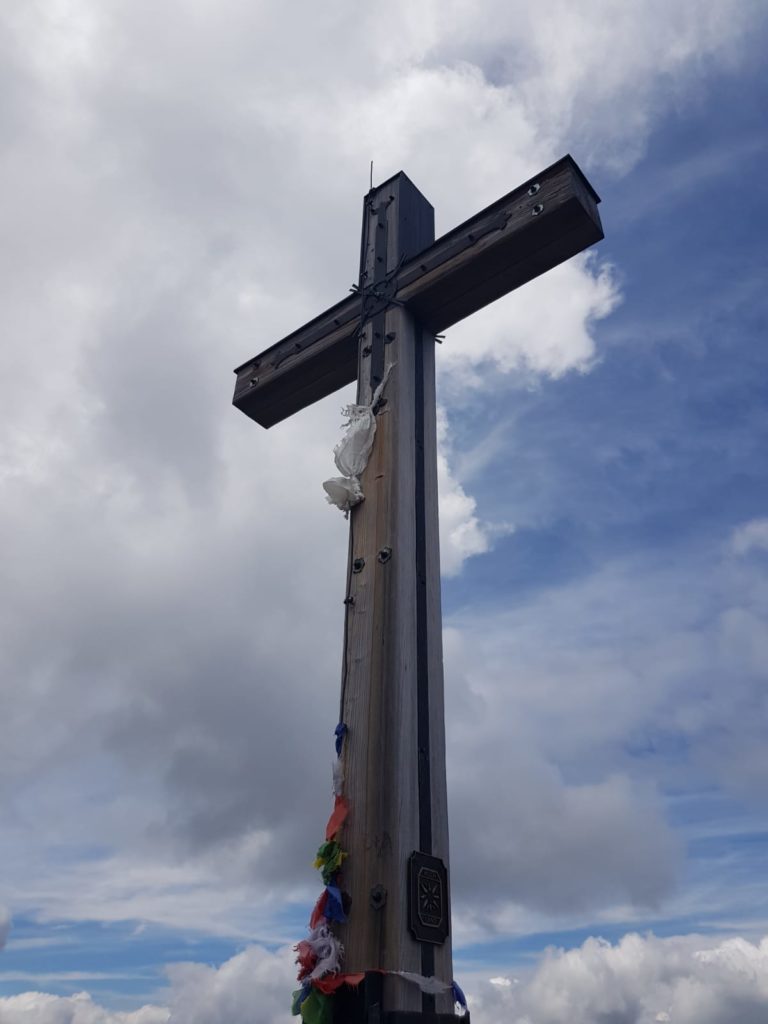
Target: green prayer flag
316,1009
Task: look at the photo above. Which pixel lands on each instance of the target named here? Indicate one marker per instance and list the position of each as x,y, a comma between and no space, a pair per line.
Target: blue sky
605,528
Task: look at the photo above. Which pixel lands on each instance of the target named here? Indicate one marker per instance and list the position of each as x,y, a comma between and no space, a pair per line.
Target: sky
182,186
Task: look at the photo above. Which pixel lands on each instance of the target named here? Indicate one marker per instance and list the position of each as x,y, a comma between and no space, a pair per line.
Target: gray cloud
172,639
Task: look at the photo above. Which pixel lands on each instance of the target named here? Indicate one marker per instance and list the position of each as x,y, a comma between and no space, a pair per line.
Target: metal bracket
378,297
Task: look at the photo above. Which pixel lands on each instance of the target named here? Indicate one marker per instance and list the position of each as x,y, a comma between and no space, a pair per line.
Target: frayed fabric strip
352,452
432,986
458,995
334,905
318,912
327,951
338,777
337,818
338,737
298,998
343,492
334,983
329,859
319,956
429,985
316,1009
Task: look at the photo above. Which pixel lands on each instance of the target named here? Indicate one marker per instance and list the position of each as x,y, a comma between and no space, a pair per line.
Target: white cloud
254,986
542,329
41,1008
597,75
462,534
751,536
640,980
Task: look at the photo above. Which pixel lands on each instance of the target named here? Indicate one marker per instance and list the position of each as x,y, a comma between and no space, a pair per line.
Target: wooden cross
410,288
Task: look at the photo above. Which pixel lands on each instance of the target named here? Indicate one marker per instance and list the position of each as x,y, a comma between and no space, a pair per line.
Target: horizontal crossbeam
535,227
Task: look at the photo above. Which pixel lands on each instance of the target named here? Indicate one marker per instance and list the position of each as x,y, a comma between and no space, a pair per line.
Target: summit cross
410,288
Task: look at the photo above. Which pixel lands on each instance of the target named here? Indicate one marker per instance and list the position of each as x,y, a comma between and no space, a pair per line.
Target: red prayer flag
337,818
331,982
319,912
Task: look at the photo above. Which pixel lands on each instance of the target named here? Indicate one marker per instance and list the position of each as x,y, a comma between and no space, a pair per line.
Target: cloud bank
640,980
176,577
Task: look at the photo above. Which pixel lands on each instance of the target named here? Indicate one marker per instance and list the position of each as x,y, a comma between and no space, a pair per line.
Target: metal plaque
428,906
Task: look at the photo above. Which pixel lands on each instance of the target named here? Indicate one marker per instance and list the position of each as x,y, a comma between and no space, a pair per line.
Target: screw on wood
534,189
384,555
378,897
349,600
358,565
253,382
538,208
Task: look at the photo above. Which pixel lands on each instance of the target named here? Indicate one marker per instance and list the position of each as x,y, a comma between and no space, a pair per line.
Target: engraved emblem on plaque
428,898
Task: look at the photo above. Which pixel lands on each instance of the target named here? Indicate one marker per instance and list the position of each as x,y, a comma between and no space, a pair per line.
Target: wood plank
497,264
283,394
379,700
312,362
494,252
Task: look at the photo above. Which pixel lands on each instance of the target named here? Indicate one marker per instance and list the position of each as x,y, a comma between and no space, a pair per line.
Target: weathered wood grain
379,700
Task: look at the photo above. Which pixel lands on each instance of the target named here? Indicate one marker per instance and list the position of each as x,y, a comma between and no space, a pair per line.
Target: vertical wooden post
392,683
